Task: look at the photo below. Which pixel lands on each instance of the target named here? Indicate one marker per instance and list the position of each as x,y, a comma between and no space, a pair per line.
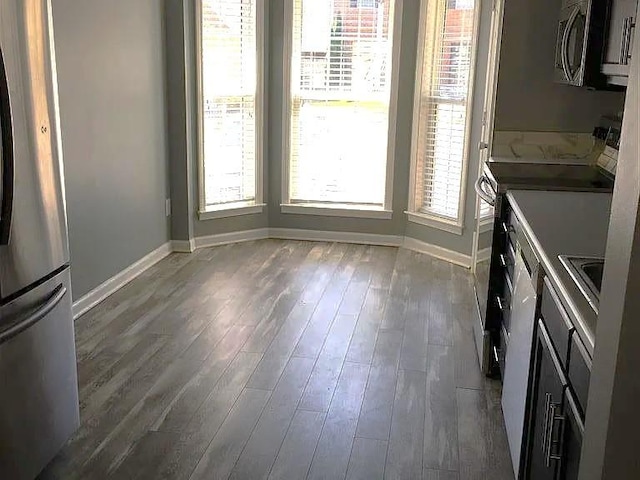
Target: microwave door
572,46
34,243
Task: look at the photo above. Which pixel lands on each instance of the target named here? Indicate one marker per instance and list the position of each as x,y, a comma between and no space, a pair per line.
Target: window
442,111
338,107
230,104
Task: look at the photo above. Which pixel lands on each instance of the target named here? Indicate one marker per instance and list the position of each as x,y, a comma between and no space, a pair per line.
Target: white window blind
443,108
339,104
229,79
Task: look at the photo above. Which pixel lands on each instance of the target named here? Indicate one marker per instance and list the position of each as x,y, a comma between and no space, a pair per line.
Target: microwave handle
564,49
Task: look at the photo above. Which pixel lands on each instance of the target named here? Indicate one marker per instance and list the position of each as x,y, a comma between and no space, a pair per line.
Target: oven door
571,44
487,197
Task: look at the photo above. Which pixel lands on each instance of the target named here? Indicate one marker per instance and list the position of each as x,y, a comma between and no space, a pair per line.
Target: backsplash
549,146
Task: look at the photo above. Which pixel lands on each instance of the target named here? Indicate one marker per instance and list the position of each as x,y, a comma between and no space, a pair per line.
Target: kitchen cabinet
545,422
572,432
621,27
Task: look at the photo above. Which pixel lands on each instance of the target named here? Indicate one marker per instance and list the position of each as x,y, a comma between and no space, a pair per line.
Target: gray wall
111,82
178,51
528,99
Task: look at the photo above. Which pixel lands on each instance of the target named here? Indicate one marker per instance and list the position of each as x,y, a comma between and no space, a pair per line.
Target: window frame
208,212
333,209
414,215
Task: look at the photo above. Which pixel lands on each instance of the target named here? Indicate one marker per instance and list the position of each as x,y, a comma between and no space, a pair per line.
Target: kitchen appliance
517,347
487,191
580,43
496,231
38,379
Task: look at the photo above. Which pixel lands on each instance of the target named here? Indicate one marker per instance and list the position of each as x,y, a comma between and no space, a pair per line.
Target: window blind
340,95
443,106
229,79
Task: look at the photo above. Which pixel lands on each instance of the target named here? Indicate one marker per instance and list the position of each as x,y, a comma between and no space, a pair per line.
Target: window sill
440,224
231,210
323,210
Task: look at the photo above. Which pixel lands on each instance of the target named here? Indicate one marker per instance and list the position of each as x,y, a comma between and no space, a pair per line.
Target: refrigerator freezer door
39,400
31,149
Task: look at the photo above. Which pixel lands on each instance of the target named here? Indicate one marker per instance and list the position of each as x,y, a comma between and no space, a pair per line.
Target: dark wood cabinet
545,423
621,27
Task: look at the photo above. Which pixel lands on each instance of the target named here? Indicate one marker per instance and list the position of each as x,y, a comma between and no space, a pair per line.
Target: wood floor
286,360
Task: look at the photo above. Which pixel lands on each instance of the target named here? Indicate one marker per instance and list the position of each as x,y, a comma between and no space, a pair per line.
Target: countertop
566,223
522,175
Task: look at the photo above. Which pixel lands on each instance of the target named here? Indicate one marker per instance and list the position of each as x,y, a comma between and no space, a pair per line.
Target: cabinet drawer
508,260
557,321
579,371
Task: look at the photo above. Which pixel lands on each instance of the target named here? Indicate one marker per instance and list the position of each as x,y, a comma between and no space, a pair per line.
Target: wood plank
363,342
377,407
265,441
439,475
316,331
225,448
468,373
331,457
404,458
441,415
324,378
297,450
367,459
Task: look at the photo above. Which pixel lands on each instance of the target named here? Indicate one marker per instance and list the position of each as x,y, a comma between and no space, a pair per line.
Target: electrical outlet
167,207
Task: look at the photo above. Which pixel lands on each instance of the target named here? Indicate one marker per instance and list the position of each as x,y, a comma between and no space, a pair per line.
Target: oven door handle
482,193
564,50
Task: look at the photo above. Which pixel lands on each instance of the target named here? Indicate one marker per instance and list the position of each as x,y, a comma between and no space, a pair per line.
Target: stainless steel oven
487,190
580,43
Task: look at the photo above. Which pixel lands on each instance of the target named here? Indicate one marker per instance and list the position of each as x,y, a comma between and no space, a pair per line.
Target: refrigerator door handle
56,296
7,161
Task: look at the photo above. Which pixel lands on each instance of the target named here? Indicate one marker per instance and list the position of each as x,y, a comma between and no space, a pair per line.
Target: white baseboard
442,253
116,282
343,237
233,237
183,246
120,279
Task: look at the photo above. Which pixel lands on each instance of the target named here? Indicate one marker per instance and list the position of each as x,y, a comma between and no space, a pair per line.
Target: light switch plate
167,207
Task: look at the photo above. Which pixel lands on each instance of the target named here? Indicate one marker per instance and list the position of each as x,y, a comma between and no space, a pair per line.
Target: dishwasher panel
518,358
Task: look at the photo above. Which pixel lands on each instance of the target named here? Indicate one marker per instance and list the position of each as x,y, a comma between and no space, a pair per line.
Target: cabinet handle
623,41
503,261
501,306
506,229
545,424
628,29
554,418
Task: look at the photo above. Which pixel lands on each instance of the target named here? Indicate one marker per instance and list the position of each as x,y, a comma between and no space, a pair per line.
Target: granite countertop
566,223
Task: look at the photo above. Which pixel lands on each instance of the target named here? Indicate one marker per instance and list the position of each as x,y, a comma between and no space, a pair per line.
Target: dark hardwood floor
286,360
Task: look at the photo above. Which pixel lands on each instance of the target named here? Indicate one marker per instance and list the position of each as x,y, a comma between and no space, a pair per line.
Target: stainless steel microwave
580,43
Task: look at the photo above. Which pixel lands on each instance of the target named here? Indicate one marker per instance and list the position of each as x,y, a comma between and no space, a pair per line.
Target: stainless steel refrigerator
38,379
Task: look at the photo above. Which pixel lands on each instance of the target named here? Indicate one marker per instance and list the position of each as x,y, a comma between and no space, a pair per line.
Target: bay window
442,112
230,106
338,84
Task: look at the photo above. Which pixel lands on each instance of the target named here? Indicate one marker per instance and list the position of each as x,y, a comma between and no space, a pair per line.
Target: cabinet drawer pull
506,229
501,305
630,26
623,41
551,445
